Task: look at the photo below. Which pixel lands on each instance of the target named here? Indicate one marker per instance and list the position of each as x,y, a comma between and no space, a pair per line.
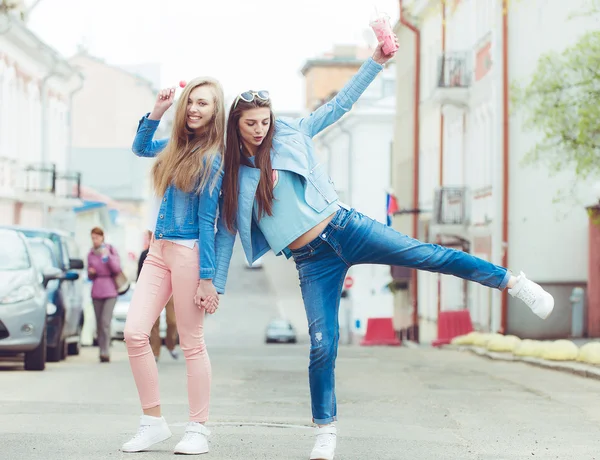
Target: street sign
348,282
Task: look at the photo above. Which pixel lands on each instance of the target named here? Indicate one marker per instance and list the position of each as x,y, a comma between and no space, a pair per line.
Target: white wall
371,128
20,107
538,226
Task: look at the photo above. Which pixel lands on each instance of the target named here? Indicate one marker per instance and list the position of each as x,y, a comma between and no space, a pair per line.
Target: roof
30,43
88,206
331,62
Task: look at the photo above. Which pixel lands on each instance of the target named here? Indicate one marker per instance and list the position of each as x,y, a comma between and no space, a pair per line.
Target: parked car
58,338
280,331
66,294
23,302
119,317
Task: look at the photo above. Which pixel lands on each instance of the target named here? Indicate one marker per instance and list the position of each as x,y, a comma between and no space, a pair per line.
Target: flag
392,207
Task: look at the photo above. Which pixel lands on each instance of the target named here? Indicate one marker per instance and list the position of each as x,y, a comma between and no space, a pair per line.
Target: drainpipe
70,121
44,102
505,157
415,229
441,178
44,121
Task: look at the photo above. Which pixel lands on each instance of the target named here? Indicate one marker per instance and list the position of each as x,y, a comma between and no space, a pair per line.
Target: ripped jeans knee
323,349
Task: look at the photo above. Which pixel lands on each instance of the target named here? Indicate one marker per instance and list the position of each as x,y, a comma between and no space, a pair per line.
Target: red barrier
452,324
380,331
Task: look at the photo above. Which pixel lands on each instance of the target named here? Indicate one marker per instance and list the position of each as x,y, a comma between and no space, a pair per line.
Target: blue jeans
350,239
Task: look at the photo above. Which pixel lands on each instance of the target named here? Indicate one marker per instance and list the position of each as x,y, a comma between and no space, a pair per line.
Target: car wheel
35,360
293,340
75,347
65,350
55,354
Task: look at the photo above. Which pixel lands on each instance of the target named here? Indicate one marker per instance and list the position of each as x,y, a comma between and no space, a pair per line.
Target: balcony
68,185
451,212
455,75
42,182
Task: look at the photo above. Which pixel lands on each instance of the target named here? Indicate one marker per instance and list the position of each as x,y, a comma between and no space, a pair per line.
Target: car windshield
13,253
42,255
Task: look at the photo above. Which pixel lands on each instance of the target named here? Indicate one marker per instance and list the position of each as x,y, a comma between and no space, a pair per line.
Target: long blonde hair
187,159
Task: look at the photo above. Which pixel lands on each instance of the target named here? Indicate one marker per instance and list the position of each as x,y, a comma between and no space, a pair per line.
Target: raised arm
343,101
144,144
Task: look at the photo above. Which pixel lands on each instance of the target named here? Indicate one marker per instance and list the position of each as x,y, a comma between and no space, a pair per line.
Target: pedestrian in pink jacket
103,265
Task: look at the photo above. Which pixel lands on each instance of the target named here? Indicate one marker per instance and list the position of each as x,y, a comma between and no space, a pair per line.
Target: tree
561,101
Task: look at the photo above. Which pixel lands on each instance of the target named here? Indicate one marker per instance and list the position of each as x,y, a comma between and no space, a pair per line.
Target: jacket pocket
180,208
319,191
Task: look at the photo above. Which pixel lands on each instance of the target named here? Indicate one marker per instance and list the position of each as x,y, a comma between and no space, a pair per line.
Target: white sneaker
151,431
325,444
540,302
195,439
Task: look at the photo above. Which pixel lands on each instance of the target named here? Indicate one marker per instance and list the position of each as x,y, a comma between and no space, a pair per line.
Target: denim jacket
184,215
293,150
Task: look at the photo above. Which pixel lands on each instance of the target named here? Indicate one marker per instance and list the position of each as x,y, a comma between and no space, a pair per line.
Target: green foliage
561,101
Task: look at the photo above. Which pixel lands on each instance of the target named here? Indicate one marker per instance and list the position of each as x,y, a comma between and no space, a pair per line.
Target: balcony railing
40,178
450,206
8,167
455,70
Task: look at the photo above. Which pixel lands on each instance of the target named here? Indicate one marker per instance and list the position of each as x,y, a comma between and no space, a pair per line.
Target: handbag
122,283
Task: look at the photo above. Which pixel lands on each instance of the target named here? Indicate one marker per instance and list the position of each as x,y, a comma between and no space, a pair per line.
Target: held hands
164,100
380,57
206,296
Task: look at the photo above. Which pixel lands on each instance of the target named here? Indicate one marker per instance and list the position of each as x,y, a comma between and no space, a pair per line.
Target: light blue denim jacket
184,215
293,150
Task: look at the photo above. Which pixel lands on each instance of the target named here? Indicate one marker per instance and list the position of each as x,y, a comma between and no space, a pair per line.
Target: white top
152,225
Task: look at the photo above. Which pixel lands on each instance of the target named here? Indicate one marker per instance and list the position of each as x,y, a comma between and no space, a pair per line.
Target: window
13,253
42,255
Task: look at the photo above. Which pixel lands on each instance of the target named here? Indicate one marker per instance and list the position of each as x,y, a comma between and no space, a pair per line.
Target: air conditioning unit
451,206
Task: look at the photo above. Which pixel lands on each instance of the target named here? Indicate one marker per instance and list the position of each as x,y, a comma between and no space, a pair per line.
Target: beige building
327,74
106,113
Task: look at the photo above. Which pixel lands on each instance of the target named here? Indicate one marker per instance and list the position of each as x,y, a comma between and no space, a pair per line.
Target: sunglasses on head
248,96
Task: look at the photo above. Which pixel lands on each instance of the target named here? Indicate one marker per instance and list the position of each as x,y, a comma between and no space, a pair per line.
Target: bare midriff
311,234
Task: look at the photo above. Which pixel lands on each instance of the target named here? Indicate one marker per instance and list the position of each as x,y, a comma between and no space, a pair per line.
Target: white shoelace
527,295
190,436
324,441
141,430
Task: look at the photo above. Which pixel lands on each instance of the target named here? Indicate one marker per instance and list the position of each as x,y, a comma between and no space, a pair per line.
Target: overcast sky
260,44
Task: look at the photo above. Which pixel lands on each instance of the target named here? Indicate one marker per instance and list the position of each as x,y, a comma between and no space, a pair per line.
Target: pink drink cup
384,33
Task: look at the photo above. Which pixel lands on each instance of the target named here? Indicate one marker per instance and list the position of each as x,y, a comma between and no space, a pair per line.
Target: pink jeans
169,268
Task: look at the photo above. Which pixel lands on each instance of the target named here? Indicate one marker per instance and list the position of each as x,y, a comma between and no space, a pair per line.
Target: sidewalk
572,367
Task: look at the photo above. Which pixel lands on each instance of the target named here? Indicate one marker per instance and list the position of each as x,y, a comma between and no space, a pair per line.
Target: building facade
474,192
38,186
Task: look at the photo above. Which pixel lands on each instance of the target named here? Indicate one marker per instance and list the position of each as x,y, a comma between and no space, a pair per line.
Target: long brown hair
236,155
187,160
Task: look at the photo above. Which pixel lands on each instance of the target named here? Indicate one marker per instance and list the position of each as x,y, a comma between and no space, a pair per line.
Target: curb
581,369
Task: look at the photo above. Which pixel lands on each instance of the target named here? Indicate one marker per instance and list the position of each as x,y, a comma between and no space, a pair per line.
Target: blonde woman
186,176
